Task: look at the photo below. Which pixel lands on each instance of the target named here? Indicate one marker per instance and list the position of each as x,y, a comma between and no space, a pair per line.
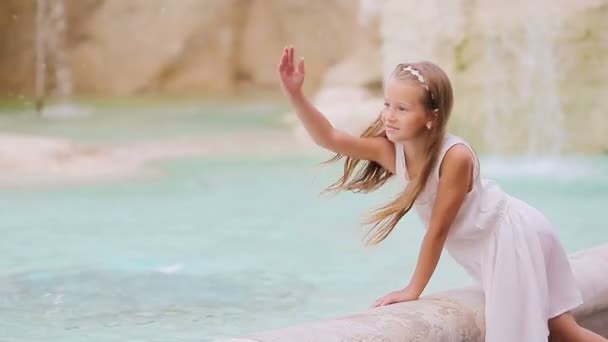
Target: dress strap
400,162
450,141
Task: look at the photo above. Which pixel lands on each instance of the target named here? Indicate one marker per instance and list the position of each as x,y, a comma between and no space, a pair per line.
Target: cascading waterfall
517,68
521,97
53,73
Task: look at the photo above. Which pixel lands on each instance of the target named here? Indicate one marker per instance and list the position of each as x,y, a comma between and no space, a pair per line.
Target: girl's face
404,115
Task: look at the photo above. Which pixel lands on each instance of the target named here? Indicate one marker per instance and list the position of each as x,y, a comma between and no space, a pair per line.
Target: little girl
507,246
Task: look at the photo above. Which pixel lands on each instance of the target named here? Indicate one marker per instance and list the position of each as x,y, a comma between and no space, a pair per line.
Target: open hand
292,77
398,296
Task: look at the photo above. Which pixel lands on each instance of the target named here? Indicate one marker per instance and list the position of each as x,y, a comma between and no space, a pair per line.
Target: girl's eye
401,108
385,104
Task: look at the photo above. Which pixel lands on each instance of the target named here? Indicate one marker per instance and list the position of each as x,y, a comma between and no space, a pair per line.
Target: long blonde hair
365,175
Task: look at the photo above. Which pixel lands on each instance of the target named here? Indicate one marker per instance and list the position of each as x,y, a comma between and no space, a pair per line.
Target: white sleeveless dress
509,248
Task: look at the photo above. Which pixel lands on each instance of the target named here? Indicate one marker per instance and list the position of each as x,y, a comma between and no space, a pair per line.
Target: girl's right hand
292,77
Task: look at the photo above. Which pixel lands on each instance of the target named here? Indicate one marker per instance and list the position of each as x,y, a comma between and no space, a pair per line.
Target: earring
428,125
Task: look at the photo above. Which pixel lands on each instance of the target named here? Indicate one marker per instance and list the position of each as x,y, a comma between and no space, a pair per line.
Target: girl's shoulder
450,141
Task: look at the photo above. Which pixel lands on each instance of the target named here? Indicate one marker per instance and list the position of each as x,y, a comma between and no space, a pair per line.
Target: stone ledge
454,315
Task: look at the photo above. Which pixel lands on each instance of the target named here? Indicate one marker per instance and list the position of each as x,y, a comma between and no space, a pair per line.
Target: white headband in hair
420,78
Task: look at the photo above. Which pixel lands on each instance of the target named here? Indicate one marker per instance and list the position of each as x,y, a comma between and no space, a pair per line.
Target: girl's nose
388,115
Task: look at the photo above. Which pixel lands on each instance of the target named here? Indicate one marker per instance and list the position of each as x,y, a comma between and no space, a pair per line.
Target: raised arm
378,149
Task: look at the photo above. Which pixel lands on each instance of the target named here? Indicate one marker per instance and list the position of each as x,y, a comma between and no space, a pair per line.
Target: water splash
548,168
169,269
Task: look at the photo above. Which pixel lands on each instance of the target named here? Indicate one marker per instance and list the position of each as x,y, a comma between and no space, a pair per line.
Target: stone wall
17,20
118,47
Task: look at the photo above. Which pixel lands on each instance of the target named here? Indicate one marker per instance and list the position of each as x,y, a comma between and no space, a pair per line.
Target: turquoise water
222,246
132,120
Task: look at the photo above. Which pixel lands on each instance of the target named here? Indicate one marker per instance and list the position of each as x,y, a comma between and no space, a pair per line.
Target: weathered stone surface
16,46
120,47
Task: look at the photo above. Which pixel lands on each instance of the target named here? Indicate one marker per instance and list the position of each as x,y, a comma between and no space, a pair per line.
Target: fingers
301,66
375,303
286,61
291,51
283,60
380,302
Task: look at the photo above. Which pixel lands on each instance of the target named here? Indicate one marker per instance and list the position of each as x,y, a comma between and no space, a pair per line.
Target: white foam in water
65,110
558,167
170,269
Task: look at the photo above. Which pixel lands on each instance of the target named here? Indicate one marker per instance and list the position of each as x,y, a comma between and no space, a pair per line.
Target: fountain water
52,60
520,89
510,64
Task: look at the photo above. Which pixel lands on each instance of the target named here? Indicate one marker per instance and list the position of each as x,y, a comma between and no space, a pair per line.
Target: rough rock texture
118,47
135,46
16,45
321,30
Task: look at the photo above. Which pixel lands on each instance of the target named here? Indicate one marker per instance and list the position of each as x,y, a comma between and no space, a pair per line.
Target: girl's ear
432,118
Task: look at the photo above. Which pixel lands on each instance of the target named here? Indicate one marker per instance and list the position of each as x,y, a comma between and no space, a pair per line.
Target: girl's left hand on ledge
398,296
